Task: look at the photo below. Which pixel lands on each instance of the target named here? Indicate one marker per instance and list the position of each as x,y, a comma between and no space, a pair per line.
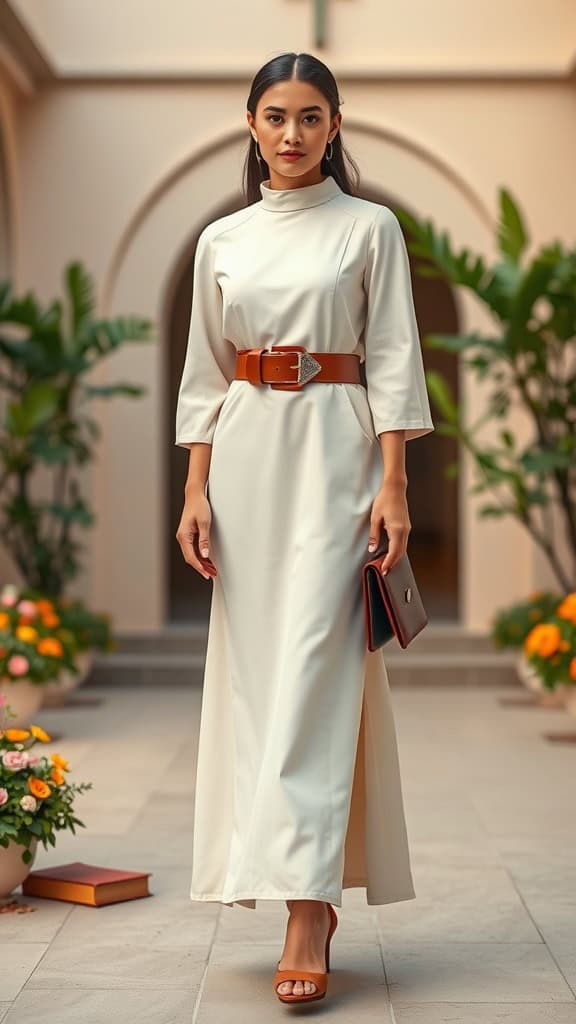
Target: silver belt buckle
307,367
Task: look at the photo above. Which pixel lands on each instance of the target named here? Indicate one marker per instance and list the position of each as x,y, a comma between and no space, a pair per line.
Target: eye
270,116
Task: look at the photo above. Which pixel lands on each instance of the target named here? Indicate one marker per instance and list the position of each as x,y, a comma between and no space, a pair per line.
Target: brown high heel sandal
319,978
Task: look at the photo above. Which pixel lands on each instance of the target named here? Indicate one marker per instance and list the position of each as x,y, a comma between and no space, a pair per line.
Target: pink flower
3,795
26,607
15,759
9,595
33,759
18,665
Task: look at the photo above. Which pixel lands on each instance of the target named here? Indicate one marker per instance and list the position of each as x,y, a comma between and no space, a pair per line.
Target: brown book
86,883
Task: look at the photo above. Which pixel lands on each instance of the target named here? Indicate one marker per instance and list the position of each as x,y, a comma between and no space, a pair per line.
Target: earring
328,158
258,153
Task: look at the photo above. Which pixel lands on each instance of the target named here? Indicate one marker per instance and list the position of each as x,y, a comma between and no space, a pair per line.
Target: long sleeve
210,361
396,385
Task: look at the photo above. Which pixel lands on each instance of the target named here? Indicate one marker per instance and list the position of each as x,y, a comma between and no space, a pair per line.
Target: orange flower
50,620
4,620
544,640
49,645
60,762
44,606
572,669
16,735
57,776
567,608
27,633
39,734
38,788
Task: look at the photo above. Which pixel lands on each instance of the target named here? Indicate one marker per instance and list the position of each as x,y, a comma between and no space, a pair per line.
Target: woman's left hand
390,509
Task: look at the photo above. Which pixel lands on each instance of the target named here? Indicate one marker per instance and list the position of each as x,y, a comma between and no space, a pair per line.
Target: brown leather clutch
392,603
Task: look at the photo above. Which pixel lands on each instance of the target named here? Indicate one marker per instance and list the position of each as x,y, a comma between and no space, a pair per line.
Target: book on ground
86,883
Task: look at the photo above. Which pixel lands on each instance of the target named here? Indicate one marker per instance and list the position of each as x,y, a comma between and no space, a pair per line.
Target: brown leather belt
290,367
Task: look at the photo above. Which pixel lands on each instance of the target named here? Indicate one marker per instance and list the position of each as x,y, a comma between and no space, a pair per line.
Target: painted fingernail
371,547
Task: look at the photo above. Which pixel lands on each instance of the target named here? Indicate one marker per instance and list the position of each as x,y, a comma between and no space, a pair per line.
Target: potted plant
550,648
92,631
509,629
36,800
34,649
47,353
527,363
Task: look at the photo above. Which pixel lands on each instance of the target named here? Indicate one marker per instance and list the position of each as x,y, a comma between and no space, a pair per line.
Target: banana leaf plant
47,352
528,362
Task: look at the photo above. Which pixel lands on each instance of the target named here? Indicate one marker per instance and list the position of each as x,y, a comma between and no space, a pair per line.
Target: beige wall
123,175
185,36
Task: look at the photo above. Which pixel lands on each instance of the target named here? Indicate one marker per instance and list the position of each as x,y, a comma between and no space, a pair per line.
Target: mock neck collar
283,199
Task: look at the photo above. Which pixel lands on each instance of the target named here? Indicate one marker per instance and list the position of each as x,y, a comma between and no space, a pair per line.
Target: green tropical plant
527,361
46,354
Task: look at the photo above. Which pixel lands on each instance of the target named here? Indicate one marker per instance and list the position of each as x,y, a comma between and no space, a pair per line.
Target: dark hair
306,68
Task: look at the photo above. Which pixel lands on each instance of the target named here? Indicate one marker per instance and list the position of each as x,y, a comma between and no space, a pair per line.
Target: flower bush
551,645
35,797
33,641
510,626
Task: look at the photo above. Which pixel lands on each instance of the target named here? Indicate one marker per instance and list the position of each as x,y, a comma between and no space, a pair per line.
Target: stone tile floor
491,936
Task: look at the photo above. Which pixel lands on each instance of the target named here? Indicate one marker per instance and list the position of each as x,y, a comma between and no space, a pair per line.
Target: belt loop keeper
254,365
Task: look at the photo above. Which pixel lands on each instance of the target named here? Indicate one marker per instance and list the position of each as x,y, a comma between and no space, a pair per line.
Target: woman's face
293,115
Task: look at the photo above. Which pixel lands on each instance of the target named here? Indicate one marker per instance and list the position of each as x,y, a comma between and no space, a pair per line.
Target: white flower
28,803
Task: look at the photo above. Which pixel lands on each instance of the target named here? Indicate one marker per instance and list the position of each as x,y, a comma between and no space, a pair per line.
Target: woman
289,484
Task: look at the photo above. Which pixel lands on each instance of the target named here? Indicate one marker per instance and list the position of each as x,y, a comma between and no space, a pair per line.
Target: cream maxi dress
298,790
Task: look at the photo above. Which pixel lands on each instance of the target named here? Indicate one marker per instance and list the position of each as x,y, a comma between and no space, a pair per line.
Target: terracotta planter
24,698
13,870
56,693
530,678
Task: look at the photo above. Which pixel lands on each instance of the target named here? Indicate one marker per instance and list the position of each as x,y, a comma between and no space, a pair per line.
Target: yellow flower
544,640
27,633
16,735
39,734
60,762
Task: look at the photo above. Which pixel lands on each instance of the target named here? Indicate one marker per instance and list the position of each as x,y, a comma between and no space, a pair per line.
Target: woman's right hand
193,534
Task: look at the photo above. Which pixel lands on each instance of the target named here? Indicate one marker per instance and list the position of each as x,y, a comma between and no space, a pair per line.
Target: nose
292,136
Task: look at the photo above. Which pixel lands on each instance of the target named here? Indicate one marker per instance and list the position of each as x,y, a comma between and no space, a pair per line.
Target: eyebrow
281,110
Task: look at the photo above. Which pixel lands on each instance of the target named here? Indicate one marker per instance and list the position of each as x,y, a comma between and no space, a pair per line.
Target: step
442,655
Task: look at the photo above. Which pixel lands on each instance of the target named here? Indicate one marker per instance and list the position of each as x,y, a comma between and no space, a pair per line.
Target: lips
291,152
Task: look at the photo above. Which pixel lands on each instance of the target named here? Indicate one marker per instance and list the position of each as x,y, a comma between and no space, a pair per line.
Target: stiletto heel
319,978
